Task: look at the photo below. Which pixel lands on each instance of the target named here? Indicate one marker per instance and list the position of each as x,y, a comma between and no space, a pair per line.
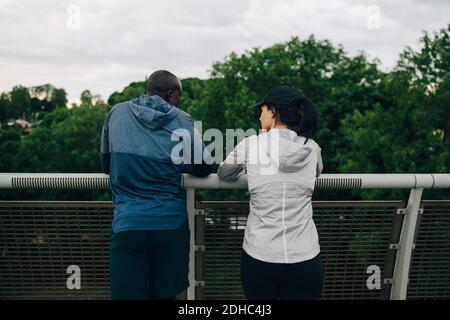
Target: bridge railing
371,249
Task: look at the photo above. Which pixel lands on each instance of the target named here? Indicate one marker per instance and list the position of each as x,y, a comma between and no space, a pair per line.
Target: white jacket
281,170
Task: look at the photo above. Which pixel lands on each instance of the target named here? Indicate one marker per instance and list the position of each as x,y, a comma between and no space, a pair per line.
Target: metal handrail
325,181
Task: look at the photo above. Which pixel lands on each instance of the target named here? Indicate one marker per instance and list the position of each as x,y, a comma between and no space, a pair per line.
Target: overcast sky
103,45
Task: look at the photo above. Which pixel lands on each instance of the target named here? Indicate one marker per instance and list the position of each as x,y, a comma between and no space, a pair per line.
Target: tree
20,102
5,110
47,98
68,140
86,99
59,98
410,133
9,146
133,90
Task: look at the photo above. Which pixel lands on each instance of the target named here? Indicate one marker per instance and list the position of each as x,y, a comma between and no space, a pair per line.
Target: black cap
280,97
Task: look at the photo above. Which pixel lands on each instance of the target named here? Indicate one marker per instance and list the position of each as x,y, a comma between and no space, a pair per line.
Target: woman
280,258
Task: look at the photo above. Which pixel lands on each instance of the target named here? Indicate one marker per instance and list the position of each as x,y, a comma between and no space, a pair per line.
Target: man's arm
105,158
200,161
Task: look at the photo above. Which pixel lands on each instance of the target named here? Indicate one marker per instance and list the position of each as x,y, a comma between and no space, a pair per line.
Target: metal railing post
190,203
200,247
406,246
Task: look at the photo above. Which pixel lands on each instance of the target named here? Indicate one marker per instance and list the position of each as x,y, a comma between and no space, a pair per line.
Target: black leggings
269,281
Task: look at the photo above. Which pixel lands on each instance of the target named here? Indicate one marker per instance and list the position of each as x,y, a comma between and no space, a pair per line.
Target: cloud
122,41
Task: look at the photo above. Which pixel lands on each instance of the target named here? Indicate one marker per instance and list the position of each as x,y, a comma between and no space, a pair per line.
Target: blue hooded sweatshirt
138,139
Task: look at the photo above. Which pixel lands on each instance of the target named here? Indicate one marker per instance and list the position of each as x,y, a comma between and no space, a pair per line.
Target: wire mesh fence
40,240
353,236
430,268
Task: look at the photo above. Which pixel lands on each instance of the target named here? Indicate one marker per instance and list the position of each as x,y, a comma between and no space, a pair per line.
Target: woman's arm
319,163
234,164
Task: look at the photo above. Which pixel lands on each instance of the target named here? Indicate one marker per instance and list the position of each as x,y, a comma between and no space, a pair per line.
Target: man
149,249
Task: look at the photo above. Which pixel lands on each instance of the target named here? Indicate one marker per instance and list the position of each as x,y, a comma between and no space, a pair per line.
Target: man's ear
169,96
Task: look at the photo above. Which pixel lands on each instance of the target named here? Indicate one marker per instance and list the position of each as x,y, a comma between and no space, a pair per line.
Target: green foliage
20,102
31,103
68,140
9,145
407,131
431,65
46,98
133,90
5,112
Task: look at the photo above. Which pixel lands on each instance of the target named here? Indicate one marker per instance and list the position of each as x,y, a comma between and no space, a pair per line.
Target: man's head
166,85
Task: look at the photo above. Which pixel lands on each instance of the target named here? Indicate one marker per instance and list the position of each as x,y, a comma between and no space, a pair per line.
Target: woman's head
283,107
268,118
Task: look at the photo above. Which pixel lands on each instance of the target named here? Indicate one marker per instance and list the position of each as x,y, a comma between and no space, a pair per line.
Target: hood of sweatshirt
291,152
153,112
